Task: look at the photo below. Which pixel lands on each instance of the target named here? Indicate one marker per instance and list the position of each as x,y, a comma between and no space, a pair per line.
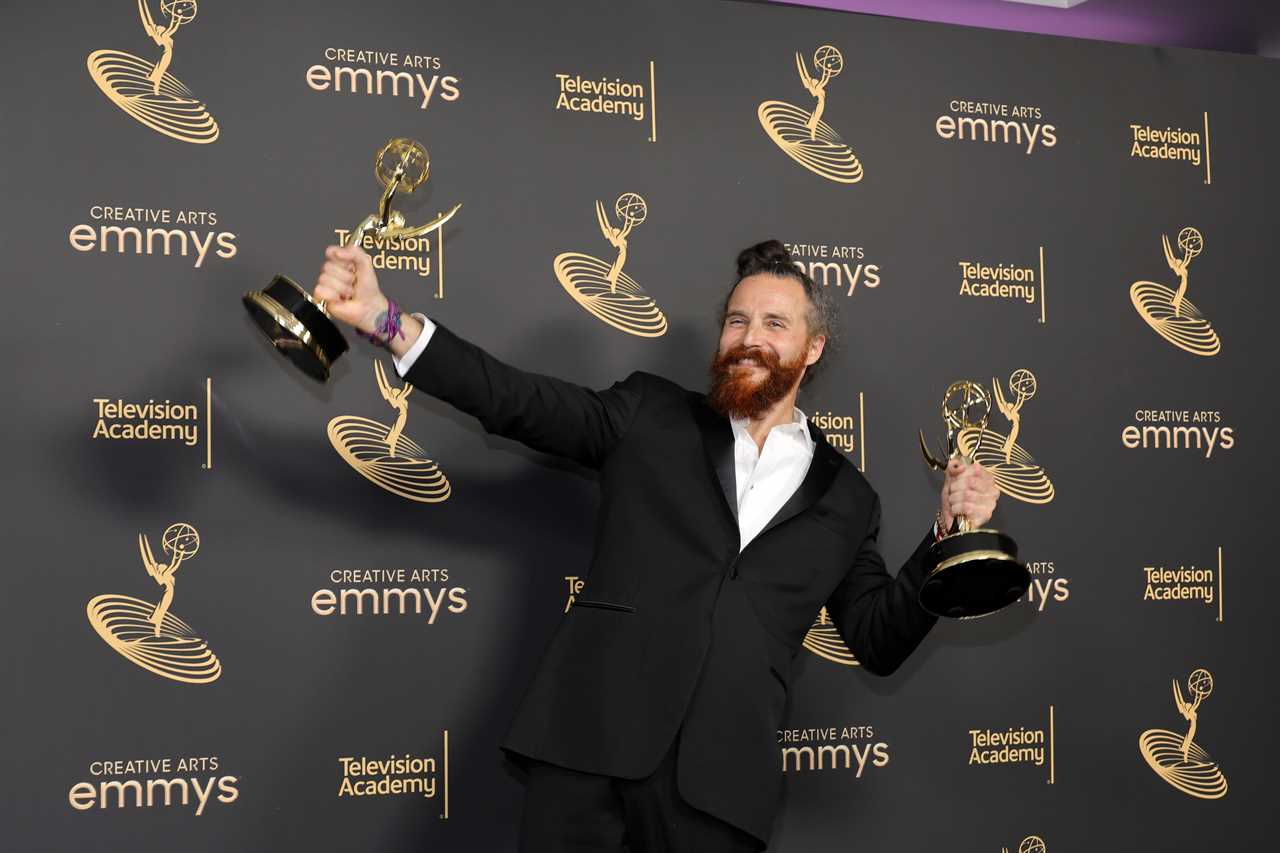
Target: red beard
736,394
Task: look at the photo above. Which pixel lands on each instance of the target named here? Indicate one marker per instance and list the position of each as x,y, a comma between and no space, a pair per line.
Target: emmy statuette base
296,326
972,574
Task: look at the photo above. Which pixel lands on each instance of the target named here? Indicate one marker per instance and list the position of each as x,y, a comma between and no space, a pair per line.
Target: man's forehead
767,291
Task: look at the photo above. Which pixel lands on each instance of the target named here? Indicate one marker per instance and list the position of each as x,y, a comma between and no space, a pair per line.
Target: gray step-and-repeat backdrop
234,621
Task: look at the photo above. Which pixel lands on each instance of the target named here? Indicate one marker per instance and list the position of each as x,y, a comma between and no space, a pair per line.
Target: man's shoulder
853,479
659,387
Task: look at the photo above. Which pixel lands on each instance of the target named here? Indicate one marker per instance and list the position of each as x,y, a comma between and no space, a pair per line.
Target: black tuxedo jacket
675,629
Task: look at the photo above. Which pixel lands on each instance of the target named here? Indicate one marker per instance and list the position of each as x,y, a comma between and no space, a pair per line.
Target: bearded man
726,522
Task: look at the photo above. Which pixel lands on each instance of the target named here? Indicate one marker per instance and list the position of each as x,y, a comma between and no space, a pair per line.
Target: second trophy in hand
298,325
971,572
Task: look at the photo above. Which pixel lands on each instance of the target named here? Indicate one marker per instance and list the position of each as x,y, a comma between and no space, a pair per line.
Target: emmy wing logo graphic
825,641
1030,844
383,454
603,288
1178,759
148,634
1015,470
1169,312
803,135
146,90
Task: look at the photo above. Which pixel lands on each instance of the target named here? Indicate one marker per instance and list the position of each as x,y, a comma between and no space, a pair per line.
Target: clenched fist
968,490
349,287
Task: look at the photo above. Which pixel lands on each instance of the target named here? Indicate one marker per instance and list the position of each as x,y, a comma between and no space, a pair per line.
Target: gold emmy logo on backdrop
1015,470
1178,759
803,135
1169,312
146,90
148,634
604,289
383,454
1030,844
825,641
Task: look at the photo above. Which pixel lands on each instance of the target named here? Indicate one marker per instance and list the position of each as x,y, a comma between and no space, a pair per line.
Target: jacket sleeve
546,414
878,615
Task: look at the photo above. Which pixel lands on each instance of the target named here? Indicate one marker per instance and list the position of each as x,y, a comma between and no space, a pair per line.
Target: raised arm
545,413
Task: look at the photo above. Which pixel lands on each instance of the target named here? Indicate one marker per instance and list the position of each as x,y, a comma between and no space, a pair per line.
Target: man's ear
816,344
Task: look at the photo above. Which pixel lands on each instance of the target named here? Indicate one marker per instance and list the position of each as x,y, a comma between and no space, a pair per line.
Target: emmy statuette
971,572
298,325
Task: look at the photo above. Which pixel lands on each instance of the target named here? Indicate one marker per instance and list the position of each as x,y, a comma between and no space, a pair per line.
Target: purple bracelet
388,329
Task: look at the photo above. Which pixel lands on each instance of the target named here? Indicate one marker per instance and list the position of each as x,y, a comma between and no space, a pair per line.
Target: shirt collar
797,429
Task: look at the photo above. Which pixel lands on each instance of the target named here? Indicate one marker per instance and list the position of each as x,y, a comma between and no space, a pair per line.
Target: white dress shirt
768,477
765,478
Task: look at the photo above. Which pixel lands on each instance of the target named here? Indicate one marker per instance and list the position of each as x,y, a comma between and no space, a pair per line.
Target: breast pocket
603,605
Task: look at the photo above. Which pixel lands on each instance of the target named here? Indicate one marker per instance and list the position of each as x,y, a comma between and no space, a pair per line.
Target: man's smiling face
765,345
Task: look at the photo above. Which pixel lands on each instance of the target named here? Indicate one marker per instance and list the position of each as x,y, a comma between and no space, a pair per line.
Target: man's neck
781,412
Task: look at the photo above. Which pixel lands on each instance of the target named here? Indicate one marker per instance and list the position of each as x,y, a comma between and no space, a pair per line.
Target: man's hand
968,490
349,287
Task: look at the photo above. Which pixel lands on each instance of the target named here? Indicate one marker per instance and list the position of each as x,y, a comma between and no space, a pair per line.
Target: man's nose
753,336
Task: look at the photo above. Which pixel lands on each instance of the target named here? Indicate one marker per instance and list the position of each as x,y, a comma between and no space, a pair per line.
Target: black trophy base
973,574
297,327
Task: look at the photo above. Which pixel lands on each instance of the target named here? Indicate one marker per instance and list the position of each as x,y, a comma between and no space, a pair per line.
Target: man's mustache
759,355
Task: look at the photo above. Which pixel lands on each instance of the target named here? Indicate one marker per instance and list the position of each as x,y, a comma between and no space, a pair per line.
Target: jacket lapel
717,441
822,470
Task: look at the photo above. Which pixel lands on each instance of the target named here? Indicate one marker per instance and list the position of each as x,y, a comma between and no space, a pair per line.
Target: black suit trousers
568,811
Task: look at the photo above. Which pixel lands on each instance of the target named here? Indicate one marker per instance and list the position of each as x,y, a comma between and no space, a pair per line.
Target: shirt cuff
404,363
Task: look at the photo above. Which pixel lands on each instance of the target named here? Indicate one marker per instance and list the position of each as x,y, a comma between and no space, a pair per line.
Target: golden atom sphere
1200,682
410,152
829,59
179,11
1191,241
1023,383
181,540
1032,844
631,208
966,404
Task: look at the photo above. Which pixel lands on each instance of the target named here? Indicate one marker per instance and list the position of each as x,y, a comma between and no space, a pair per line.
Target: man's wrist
410,328
375,317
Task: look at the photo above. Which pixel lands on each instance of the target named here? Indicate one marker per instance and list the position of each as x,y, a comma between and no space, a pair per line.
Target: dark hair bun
769,256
